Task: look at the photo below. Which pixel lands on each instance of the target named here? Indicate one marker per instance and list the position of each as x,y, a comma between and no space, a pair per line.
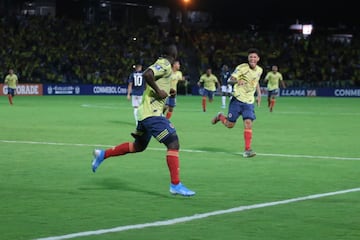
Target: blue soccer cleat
98,158
181,190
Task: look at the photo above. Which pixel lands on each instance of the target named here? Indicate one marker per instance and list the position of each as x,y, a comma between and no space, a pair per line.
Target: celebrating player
246,81
175,78
152,123
209,82
11,80
273,79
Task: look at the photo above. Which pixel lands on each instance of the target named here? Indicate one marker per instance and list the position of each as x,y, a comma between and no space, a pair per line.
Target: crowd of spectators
313,61
59,50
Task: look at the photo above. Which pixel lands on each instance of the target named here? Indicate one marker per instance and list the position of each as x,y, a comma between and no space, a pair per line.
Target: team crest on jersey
157,67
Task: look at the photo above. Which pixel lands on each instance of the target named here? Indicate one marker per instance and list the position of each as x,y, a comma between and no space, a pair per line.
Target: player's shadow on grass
212,149
119,185
218,150
119,122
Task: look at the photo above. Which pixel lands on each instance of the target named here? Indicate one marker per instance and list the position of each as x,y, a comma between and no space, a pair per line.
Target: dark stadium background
262,11
231,12
331,21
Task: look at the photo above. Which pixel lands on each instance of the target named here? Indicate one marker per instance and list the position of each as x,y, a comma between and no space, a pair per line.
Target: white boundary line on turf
184,150
197,216
114,106
319,113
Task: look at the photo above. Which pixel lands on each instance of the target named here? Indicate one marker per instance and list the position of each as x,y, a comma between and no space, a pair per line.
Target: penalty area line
197,216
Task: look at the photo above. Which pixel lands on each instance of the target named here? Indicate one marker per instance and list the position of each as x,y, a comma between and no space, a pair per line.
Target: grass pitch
307,146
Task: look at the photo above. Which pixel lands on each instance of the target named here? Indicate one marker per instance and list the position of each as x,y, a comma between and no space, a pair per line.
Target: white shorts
136,100
226,88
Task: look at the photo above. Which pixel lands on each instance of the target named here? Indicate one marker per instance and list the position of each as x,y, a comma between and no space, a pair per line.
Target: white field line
196,216
319,113
126,107
184,150
104,106
114,106
188,218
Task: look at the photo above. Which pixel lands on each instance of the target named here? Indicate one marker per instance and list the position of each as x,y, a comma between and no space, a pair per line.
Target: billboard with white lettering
65,89
305,92
26,89
320,92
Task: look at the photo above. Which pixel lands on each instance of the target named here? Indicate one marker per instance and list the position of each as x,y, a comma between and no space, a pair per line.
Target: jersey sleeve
159,69
236,73
201,79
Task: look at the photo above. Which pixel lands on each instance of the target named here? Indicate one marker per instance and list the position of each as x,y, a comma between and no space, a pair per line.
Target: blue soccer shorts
237,108
158,126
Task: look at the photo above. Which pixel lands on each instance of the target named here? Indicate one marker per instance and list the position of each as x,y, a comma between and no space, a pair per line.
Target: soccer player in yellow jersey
175,78
209,82
246,78
152,123
273,80
11,80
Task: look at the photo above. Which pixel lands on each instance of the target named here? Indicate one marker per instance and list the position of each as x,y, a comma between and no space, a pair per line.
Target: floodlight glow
307,29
